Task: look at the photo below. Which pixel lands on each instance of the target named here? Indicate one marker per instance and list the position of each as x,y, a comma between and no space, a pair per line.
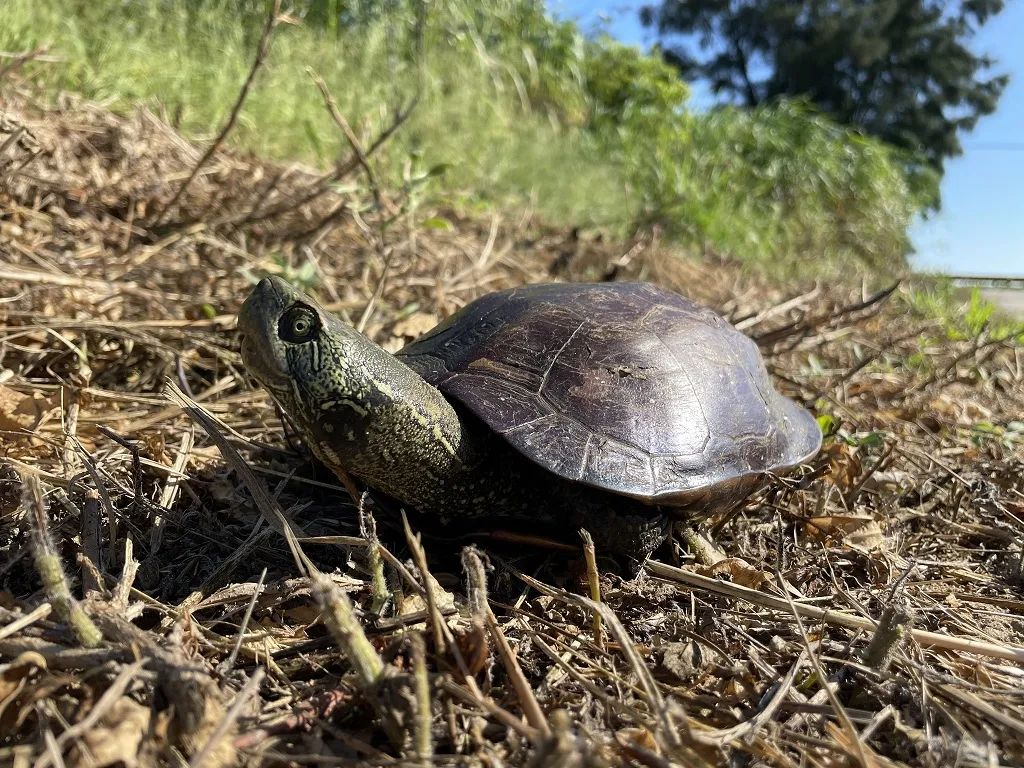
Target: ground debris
913,508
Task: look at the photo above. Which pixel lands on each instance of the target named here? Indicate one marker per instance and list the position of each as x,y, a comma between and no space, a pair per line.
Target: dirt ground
180,583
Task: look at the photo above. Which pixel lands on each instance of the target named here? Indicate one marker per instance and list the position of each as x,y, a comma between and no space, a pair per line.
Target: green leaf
828,424
866,440
437,222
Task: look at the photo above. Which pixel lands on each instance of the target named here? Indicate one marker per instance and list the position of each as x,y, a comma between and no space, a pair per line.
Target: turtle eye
298,325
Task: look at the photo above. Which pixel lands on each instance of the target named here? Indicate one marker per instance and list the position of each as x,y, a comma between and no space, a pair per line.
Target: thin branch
262,50
19,60
349,134
51,570
342,169
834,618
594,582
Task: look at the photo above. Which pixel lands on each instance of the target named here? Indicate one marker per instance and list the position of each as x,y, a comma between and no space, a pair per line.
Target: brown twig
40,612
800,328
122,591
594,582
423,739
324,185
350,137
531,707
21,59
262,50
229,662
928,639
861,752
271,510
420,558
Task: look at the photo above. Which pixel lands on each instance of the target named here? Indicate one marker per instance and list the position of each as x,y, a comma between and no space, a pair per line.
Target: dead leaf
734,689
855,529
116,739
945,406
13,679
409,329
889,481
303,613
867,537
20,412
684,660
415,325
638,737
738,570
844,465
414,603
474,647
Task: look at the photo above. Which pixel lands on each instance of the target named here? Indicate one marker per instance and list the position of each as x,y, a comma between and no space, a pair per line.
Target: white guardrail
1006,282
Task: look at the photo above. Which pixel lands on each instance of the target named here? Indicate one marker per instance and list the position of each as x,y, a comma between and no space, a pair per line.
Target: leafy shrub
784,184
521,109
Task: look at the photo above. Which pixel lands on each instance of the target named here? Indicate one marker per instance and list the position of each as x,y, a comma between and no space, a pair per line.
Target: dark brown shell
622,386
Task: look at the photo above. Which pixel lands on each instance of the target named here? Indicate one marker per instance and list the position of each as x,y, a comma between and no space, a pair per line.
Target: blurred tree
897,69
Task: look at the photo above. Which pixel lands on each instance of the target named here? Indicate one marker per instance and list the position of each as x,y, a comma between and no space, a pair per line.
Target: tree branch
262,50
748,85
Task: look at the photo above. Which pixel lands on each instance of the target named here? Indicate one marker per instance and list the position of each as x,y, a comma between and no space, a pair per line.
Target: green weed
964,313
519,110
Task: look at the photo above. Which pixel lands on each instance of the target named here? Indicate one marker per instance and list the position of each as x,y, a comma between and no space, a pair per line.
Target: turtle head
277,324
321,370
358,407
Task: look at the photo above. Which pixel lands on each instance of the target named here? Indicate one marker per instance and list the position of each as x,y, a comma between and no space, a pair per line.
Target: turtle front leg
628,539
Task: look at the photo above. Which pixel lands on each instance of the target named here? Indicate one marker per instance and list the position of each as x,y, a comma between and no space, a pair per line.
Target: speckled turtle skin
620,386
612,406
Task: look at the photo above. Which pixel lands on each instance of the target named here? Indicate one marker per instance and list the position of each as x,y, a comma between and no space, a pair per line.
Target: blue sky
981,226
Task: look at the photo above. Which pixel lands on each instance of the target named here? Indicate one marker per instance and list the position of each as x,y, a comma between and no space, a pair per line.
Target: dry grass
865,612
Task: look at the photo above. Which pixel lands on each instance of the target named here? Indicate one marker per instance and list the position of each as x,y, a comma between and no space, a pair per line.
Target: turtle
616,407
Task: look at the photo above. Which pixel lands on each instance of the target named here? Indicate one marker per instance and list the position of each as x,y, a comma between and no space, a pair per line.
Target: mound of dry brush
180,583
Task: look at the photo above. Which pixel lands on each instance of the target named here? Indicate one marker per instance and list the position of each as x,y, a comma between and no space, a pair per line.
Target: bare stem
594,583
424,714
51,570
262,50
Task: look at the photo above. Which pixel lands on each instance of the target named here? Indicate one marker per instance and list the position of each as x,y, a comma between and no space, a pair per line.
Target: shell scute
621,386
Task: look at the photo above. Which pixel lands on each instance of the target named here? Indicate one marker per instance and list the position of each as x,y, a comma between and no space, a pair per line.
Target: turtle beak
257,328
253,314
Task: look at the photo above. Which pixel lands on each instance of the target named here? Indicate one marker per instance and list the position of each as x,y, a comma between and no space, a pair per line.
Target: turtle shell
621,386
